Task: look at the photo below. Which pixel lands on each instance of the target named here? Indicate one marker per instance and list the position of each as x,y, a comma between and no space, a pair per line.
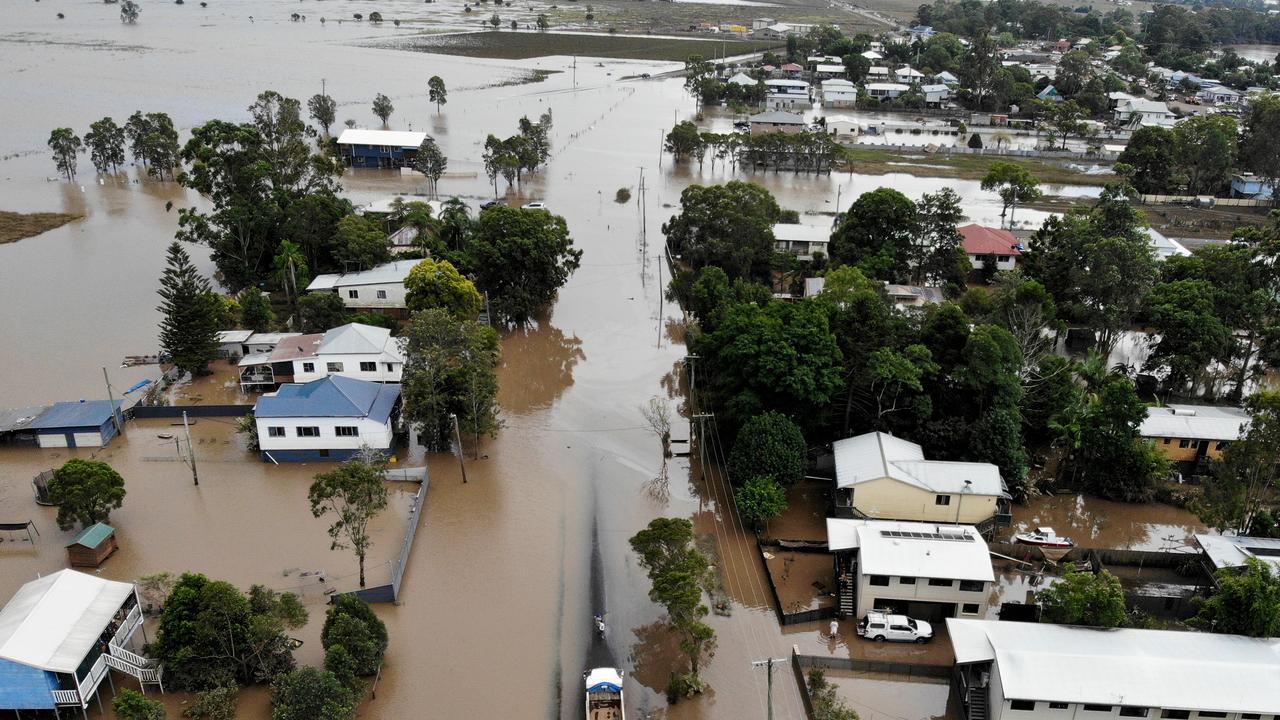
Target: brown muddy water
508,568
880,696
1097,523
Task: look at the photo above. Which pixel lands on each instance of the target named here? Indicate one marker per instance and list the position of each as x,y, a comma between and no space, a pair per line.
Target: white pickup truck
881,626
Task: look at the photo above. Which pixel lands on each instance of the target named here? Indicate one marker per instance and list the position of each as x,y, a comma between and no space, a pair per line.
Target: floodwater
880,696
510,566
1097,523
1257,53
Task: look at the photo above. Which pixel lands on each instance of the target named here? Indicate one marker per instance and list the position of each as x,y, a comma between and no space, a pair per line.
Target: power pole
457,435
115,411
768,665
191,451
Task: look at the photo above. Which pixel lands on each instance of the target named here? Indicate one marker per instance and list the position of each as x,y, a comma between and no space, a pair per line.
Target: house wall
840,99
1172,448
1003,710
920,591
350,368
766,128
786,101
80,437
377,155
892,500
996,704
376,435
367,296
1009,263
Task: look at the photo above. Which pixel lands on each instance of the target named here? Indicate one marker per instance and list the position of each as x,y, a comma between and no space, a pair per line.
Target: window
353,294
938,582
1167,441
906,581
1176,714
1097,708
382,294
1203,713
308,367
971,585
1183,443
308,431
1029,705
1058,706
1250,716
391,367
347,431
275,431
942,500
879,580
1221,445
368,367
1002,258
1131,711
969,609
333,367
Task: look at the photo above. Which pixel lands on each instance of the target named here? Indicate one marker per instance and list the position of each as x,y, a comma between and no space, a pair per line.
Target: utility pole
115,411
575,71
661,138
191,451
768,665
457,435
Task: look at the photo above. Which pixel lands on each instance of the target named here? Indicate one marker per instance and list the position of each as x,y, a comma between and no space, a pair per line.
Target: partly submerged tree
66,147
1081,597
354,494
312,693
450,370
324,111
352,625
431,162
129,11
770,444
133,705
1247,602
759,499
383,108
189,314
1014,184
85,492
436,92
521,258
105,141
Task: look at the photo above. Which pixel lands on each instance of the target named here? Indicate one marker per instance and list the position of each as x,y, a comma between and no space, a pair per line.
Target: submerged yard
15,226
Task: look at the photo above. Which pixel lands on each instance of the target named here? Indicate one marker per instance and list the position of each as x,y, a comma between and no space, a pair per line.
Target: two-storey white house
801,240
327,419
380,288
363,352
924,570
1038,671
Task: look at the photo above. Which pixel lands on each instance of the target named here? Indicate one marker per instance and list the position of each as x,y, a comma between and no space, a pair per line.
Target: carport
87,423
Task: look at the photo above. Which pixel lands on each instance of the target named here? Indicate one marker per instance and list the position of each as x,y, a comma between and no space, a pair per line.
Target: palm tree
290,264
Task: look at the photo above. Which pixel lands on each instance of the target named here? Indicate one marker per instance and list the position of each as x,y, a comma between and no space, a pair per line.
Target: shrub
622,196
352,624
769,444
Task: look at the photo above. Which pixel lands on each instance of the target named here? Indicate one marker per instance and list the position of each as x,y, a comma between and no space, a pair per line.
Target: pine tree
189,330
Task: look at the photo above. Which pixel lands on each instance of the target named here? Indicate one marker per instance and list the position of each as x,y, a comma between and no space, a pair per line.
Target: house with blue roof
87,423
327,419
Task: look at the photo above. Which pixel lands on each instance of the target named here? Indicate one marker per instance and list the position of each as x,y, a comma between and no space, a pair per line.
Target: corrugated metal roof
1195,422
393,138
92,536
1231,551
13,419
356,339
983,240
799,232
913,549
85,413
392,272
1121,666
53,622
872,456
23,687
777,117
329,397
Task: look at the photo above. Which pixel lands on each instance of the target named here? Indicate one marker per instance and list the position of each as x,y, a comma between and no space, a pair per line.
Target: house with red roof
981,242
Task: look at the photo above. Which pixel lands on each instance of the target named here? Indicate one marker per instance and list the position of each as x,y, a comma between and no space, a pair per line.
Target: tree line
151,139
523,152
806,151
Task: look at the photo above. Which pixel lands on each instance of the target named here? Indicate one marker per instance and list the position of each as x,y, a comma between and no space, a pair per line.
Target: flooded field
1096,523
879,696
508,568
804,581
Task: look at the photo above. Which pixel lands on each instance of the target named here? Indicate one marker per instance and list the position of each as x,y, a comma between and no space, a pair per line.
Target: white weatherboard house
363,352
801,240
326,419
1233,551
60,637
924,570
839,93
1016,671
881,476
380,288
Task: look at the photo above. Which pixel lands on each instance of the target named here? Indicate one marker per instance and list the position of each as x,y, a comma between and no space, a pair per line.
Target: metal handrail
131,623
66,697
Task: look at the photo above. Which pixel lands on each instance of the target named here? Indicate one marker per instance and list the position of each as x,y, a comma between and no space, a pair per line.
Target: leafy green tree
431,162
324,110
351,624
215,704
1247,602
980,68
937,255
211,635
729,226
521,258
759,499
361,243
153,140
320,311
697,70
133,705
678,573
354,494
1113,461
878,235
105,141
1013,183
895,380
311,693
188,326
1081,597
769,444
1205,146
1150,153
449,370
1190,333
1233,496
438,284
382,108
66,147
684,140
129,12
436,91
255,310
495,20
338,660
455,224
291,269
85,491
1260,145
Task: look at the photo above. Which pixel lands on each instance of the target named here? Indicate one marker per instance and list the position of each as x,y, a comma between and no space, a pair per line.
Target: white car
535,205
881,626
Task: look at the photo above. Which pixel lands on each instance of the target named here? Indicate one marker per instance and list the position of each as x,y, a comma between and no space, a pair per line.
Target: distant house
92,546
780,31
1049,93
762,23
922,32
885,91
87,423
923,570
326,419
743,80
60,638
878,73
240,343
907,74
362,352
380,288
1141,109
842,127
379,148
935,95
1165,247
781,93
1231,552
980,242
946,78
911,296
1248,185
1016,670
829,71
882,476
776,121
1187,433
791,70
801,240
872,55
1116,97
839,94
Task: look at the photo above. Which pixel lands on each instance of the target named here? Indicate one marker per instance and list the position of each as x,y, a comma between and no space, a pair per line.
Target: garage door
90,439
52,440
928,611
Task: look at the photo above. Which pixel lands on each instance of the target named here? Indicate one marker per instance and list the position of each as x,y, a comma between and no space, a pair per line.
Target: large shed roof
53,622
1196,422
85,413
392,138
330,397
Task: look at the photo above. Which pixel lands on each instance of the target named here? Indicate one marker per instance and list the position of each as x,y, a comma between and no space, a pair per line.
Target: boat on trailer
604,694
1044,537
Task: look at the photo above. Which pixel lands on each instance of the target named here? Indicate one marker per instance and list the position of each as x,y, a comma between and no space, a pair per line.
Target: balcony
131,623
258,375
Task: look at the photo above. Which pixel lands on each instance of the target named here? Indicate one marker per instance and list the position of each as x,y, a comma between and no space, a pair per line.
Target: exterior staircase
119,657
977,704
